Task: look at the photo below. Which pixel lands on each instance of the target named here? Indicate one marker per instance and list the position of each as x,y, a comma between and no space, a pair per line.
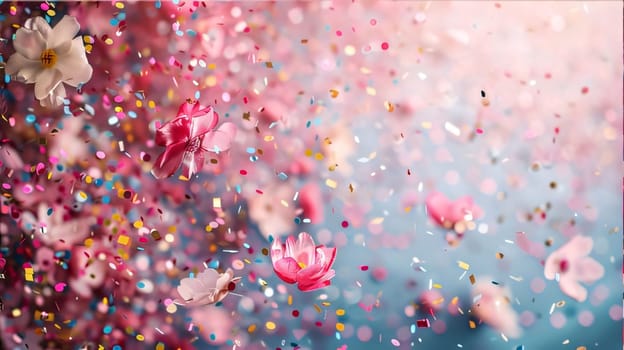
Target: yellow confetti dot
88,242
308,152
151,104
270,325
463,265
140,337
16,312
290,300
437,286
340,327
123,239
138,224
119,5
211,81
88,48
208,228
172,308
317,308
349,50
340,312
318,156
334,93
160,346
269,138
389,106
371,91
139,103
216,202
108,41
472,324
212,66
331,183
51,13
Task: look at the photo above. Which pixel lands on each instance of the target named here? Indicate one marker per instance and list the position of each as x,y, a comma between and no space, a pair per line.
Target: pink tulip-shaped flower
573,265
303,263
208,287
447,213
188,137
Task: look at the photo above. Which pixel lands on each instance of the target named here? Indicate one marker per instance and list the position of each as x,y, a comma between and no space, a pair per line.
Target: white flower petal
46,82
74,67
55,98
23,68
40,25
29,43
63,32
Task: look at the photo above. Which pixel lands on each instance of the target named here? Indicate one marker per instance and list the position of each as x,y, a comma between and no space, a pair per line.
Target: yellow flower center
48,58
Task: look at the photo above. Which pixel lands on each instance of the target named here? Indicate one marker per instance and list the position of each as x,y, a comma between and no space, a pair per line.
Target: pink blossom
303,263
447,213
492,305
310,200
570,264
89,271
53,227
208,287
187,137
268,211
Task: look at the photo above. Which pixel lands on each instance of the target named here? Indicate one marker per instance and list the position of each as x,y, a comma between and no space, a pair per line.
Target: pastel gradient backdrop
349,113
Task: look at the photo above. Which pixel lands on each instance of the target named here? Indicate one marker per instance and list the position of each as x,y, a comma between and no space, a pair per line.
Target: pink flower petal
572,288
287,269
168,162
174,131
588,270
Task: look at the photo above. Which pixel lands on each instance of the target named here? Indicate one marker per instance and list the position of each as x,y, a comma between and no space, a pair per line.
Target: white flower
49,57
208,287
491,304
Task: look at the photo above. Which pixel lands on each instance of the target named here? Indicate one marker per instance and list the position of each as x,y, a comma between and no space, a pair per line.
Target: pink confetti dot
379,274
584,90
615,312
538,285
243,172
373,21
364,268
27,189
527,318
338,33
345,224
364,333
558,320
395,342
59,287
100,155
439,327
385,46
585,318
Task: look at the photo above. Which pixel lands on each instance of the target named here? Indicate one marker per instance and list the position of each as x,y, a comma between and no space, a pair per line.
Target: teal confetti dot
107,329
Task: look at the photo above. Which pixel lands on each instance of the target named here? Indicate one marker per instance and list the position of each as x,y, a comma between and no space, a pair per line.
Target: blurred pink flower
186,138
208,287
53,227
10,158
89,271
570,264
303,263
268,211
491,304
49,57
310,200
447,213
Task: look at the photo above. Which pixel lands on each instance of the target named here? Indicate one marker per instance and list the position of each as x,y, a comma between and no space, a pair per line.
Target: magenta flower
571,264
448,214
187,137
303,263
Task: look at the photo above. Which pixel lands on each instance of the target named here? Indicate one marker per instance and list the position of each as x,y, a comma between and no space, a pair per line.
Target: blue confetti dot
107,329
